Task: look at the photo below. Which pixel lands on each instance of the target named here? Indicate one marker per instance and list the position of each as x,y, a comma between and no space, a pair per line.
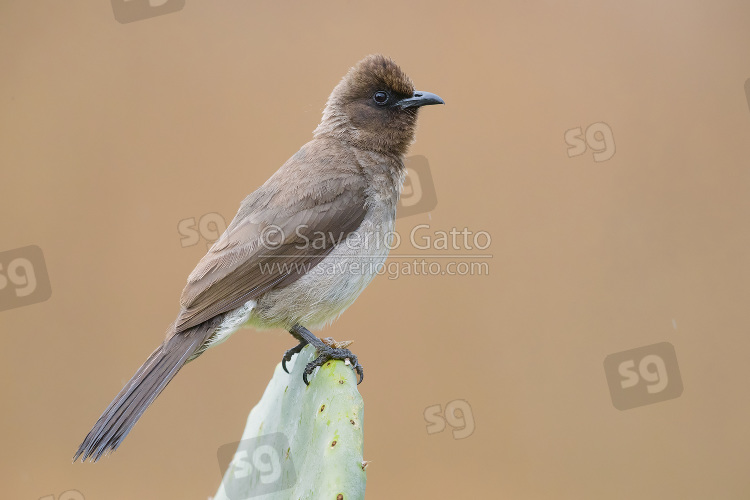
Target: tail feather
147,383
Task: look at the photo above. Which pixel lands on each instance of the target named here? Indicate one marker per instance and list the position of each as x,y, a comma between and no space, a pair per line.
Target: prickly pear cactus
300,442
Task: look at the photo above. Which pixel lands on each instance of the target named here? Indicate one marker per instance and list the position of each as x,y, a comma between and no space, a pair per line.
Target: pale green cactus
301,442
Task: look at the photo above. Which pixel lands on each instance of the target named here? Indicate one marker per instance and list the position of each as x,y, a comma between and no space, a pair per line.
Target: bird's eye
380,97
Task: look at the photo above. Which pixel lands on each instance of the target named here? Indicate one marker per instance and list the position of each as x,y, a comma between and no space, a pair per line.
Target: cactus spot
352,422
328,364
323,407
333,443
341,381
339,497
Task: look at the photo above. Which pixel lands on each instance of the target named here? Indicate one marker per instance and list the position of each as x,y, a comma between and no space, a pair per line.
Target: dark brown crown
379,71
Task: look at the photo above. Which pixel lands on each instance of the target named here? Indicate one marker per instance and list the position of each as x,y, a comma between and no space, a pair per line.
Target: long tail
147,383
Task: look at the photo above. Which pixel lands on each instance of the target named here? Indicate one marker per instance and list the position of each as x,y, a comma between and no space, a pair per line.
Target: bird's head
375,107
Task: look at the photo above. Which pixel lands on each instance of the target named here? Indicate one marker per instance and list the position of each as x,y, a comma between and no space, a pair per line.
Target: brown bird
300,249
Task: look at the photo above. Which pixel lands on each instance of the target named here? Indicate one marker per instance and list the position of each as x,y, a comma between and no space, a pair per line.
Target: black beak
419,99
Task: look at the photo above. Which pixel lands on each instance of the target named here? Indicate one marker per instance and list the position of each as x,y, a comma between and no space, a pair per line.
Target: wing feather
276,235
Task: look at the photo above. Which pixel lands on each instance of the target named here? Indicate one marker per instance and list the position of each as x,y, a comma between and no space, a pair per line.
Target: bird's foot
327,353
328,349
291,352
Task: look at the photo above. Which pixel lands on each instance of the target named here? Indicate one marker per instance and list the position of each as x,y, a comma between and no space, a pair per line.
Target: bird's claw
328,353
291,352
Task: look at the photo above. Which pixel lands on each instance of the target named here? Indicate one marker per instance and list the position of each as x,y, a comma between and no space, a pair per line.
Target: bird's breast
331,286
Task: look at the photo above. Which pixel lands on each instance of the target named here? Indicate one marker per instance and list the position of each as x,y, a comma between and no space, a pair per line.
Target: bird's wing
274,239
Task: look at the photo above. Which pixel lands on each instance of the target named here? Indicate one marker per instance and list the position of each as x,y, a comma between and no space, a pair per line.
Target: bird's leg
327,349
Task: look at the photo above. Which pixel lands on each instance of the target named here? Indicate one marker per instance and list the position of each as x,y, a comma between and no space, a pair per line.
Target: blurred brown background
112,133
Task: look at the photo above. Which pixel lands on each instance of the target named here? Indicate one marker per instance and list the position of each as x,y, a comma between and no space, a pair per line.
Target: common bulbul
300,249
